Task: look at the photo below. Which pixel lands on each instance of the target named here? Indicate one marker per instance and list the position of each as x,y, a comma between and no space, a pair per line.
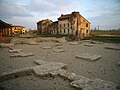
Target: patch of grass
107,39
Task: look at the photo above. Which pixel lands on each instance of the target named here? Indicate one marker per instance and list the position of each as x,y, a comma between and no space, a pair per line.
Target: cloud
9,10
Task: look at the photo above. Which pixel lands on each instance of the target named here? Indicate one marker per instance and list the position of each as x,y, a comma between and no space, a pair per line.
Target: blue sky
105,13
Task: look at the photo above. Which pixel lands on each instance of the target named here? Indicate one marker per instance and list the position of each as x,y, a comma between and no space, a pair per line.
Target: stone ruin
59,69
88,57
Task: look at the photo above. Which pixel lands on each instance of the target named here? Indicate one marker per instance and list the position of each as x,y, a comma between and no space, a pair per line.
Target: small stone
22,55
89,57
59,50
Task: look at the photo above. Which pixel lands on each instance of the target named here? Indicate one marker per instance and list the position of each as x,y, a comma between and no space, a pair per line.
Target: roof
4,24
17,26
64,16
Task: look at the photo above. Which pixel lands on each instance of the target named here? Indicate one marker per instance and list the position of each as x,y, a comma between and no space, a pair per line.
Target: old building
54,28
10,30
74,24
43,26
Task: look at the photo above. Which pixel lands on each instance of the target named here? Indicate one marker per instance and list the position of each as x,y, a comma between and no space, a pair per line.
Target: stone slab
15,51
15,73
52,68
58,50
22,55
46,47
74,43
7,45
40,62
84,83
113,47
89,57
89,45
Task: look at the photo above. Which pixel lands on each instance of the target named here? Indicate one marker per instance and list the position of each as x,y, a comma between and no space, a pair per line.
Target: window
64,30
86,31
68,24
60,25
60,31
86,24
68,31
64,25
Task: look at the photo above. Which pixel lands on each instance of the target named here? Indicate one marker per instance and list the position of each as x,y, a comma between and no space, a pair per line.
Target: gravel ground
105,68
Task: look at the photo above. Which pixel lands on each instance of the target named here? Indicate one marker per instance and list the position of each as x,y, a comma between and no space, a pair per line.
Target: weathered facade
73,24
10,30
54,28
43,26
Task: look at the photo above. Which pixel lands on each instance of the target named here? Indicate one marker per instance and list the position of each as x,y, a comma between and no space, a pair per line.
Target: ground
105,68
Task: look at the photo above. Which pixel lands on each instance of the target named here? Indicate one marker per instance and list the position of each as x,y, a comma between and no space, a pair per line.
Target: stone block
22,55
46,47
15,73
88,57
15,50
6,45
58,50
94,84
40,62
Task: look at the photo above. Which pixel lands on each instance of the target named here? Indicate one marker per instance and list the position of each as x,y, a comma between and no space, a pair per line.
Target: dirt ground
105,68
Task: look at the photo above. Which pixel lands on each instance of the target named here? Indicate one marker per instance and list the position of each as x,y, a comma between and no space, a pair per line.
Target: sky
105,13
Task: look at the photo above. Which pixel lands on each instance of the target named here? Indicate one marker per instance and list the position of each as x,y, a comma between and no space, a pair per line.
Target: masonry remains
71,24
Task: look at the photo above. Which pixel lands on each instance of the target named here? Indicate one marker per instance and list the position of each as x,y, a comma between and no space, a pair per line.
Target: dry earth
105,68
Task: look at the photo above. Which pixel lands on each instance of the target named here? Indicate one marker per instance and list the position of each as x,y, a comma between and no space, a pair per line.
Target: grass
104,32
110,39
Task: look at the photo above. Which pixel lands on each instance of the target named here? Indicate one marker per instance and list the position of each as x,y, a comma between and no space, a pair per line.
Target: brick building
43,26
10,30
74,24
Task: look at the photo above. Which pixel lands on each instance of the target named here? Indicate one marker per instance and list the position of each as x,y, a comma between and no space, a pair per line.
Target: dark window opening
86,24
64,30
64,25
86,31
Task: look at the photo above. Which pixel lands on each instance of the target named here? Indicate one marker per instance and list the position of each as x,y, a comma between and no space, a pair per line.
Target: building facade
73,24
10,30
43,26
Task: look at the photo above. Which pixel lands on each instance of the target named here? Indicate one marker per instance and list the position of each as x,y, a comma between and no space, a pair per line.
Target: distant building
10,30
73,24
43,26
54,28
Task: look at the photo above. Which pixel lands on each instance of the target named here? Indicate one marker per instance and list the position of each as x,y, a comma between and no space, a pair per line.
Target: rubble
94,84
89,45
15,73
44,68
113,47
22,55
15,50
59,50
74,43
7,45
46,47
89,57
